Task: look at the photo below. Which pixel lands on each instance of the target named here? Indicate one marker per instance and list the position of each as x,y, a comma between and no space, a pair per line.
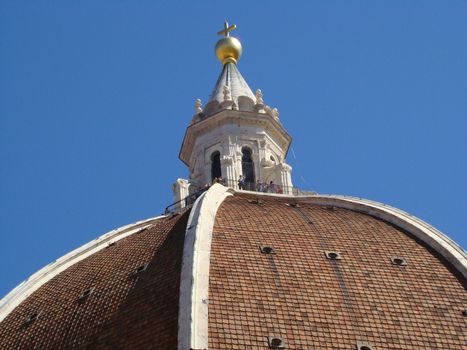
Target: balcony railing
262,187
185,202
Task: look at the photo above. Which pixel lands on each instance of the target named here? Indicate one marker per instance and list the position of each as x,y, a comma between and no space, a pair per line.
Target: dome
245,270
119,291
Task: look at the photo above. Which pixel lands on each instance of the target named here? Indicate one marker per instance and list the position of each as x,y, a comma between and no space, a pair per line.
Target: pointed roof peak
230,92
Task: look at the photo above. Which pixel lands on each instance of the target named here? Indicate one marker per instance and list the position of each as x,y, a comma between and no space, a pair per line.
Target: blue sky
96,96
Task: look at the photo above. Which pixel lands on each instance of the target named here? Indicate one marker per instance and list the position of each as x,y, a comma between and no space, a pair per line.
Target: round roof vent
276,342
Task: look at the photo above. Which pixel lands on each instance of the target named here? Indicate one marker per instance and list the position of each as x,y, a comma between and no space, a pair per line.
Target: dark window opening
267,249
396,260
276,343
364,346
333,255
248,167
293,205
30,319
140,269
215,165
85,294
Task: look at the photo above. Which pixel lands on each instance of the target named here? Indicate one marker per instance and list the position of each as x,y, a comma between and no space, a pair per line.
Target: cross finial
227,29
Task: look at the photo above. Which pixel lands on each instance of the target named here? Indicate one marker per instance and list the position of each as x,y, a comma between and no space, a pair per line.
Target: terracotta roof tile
124,310
296,292
311,301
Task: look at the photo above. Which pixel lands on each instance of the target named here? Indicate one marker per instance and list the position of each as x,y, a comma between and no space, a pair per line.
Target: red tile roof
311,301
295,292
124,310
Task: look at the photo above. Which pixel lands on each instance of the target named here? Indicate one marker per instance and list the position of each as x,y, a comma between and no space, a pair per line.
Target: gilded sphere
228,49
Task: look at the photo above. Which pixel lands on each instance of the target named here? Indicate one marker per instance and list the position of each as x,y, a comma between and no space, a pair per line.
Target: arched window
216,165
248,167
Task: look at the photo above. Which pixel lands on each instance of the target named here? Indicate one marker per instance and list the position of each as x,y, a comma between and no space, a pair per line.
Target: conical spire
230,92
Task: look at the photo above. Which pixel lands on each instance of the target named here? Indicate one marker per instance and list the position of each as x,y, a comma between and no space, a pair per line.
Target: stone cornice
225,117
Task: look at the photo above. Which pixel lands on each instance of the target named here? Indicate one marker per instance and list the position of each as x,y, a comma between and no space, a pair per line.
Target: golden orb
228,49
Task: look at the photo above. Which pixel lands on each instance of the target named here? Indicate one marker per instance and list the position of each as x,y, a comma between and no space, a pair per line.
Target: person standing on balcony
241,182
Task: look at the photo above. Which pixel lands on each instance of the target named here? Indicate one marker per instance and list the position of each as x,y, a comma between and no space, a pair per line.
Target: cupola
235,138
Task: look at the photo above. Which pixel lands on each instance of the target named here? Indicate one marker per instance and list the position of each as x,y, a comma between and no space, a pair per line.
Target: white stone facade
229,132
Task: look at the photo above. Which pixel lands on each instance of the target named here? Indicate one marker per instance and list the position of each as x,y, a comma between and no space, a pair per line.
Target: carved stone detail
285,167
226,160
259,106
273,112
227,94
233,130
259,97
198,105
266,163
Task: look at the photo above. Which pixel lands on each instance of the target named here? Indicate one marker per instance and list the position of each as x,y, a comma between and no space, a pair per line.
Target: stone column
233,174
180,191
228,171
286,178
262,160
262,151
